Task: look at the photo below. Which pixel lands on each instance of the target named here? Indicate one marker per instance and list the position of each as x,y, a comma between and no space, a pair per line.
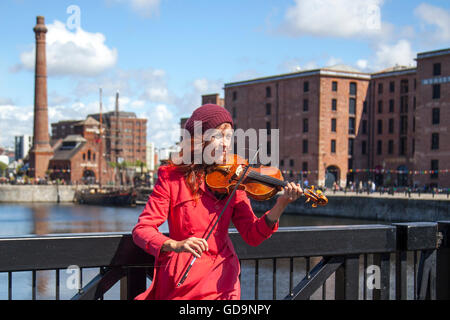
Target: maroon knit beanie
211,116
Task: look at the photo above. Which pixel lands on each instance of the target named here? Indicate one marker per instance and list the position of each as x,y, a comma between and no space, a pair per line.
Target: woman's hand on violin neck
291,193
196,246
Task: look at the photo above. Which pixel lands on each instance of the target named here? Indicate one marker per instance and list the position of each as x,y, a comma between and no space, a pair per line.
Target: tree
3,167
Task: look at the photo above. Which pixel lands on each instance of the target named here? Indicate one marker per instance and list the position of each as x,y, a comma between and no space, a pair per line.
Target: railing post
443,262
347,279
133,283
420,236
383,261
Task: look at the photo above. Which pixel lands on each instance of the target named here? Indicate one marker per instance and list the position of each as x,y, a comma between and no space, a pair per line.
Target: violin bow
243,176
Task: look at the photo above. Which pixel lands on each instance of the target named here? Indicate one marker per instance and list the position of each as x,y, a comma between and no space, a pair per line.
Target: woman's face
219,143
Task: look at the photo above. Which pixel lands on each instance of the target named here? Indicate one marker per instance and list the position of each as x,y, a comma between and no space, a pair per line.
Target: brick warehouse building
125,136
79,148
76,146
338,123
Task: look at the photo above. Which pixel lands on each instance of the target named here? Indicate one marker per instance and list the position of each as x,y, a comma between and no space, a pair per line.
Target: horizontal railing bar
50,253
320,241
118,249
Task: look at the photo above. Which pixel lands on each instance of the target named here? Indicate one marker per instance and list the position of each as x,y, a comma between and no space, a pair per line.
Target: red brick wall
424,127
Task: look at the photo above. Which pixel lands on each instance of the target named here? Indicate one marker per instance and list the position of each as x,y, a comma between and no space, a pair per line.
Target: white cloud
399,53
78,53
164,127
362,64
339,18
438,18
15,121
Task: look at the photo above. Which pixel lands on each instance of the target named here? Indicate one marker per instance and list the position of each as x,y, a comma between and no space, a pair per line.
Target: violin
260,183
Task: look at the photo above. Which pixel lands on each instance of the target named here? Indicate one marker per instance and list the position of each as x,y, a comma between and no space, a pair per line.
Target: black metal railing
399,261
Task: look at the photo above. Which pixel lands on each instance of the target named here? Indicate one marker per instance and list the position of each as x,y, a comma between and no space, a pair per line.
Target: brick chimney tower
41,152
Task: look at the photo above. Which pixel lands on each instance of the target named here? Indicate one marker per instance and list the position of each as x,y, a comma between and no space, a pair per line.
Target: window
380,126
436,91
89,155
305,146
268,109
436,69
268,127
434,141
353,88
350,166
334,86
334,104
306,86
234,112
304,168
268,92
364,126
434,168
380,88
234,95
352,106
403,146
380,106
282,163
391,125
391,146
333,125
392,86
404,104
379,146
84,156
291,162
404,86
351,144
351,126
269,148
436,115
365,107
305,125
364,147
333,146
413,146
391,106
403,124
305,105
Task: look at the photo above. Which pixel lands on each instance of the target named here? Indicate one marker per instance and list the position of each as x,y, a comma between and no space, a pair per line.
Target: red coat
216,274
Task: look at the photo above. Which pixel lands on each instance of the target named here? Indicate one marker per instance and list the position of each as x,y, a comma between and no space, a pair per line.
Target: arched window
89,155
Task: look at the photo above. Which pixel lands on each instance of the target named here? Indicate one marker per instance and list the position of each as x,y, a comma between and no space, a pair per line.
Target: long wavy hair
193,173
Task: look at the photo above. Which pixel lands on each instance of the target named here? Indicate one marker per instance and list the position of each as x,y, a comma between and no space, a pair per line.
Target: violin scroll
316,197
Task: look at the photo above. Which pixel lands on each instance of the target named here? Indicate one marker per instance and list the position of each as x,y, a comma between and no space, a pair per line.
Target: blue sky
162,55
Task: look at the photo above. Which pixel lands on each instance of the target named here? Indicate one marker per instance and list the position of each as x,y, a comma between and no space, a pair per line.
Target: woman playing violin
182,197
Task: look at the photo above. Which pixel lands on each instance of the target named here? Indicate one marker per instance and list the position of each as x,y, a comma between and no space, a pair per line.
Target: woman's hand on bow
196,246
